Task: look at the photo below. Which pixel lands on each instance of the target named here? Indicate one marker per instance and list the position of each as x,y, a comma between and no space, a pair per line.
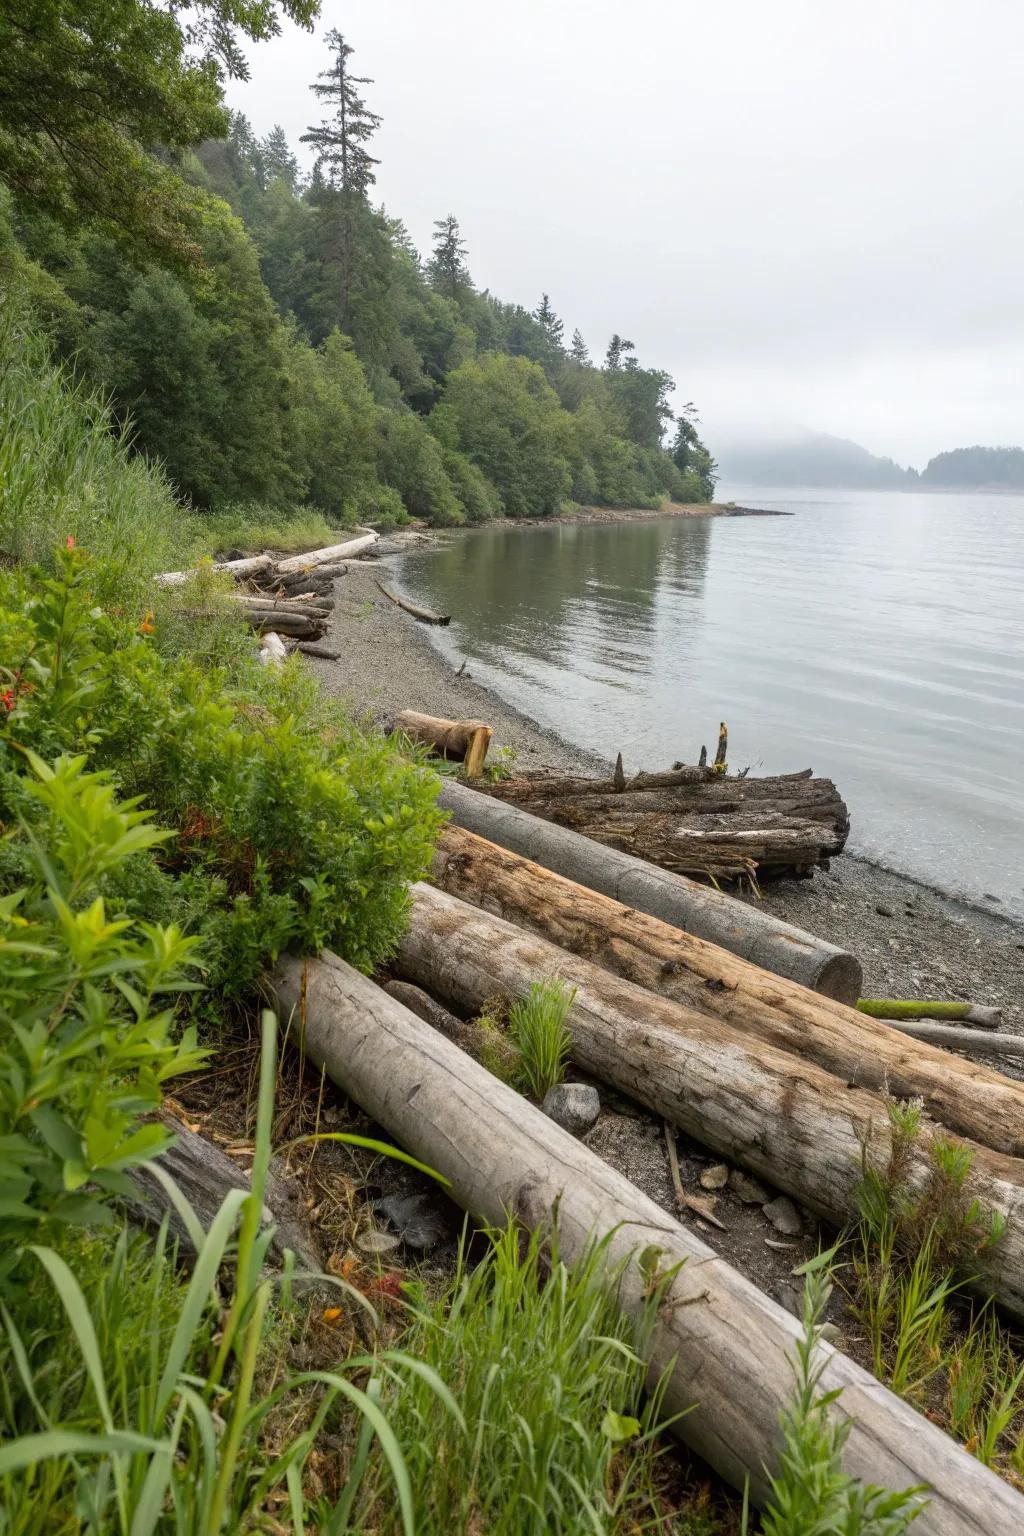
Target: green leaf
619,1426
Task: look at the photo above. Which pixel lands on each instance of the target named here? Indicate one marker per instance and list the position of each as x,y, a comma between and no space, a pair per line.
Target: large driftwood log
772,1112
695,822
296,625
252,565
726,1347
746,930
976,1042
969,1100
425,615
331,555
461,741
205,1174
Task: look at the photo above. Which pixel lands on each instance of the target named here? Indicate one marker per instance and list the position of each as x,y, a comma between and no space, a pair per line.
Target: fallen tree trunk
969,1100
304,609
458,740
490,1046
694,821
425,615
252,565
725,1347
976,1042
320,579
296,625
330,555
700,910
894,1008
777,1115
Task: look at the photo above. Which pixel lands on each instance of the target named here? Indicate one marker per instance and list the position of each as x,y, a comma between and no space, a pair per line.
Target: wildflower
147,626
331,1314
69,542
8,699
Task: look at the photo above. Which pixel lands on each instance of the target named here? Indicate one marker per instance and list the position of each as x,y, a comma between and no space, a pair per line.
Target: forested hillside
995,469
275,338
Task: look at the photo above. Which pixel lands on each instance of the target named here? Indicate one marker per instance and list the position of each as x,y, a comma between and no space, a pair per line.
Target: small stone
747,1189
417,1218
376,1243
573,1106
715,1177
790,1296
832,1335
784,1216
884,911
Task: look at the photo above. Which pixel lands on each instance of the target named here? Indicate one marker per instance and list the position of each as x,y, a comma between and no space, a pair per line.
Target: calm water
876,636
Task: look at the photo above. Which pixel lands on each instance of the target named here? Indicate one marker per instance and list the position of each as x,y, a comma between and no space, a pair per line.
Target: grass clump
553,1434
537,1025
253,527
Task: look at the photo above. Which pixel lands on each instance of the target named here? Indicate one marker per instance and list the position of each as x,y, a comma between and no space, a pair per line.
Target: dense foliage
996,469
278,339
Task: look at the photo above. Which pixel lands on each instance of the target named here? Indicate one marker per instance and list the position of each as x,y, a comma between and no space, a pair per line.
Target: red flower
69,542
8,700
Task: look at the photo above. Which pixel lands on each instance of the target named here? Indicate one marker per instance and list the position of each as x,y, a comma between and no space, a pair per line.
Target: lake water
876,636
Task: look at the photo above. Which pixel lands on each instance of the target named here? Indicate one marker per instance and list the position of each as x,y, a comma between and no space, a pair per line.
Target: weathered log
777,1115
273,650
320,580
319,651
725,1347
425,615
205,1174
975,1042
295,625
912,1008
699,822
461,741
330,555
969,1100
308,610
491,1047
746,930
252,565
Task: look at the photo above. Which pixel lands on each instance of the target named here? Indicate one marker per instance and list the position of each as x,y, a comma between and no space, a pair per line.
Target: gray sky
809,213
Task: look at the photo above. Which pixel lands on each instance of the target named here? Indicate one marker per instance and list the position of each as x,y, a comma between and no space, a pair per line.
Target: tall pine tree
546,317
447,267
578,349
340,140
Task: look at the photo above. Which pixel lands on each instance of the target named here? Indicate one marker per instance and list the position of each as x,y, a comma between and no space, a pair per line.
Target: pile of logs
697,820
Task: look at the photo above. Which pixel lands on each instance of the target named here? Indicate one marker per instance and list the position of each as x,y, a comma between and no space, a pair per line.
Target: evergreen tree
448,270
546,317
578,349
617,348
278,161
340,140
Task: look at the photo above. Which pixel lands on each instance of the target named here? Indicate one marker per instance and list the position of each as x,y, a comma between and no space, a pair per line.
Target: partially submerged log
778,1116
460,741
425,615
700,910
696,821
205,1174
331,555
969,1100
726,1347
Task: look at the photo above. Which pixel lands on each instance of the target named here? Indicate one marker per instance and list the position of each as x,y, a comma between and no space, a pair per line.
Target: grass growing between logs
537,1026
910,1263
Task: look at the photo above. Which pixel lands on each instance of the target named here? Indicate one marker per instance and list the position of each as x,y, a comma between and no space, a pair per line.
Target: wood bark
969,1100
914,1008
462,741
309,609
724,1347
252,565
744,929
205,1174
781,1117
700,822
297,625
321,579
425,615
492,1048
330,555
976,1042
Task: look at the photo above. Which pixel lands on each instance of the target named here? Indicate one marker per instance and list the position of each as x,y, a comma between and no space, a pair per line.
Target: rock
832,1335
747,1188
573,1106
884,911
715,1177
784,1216
377,1244
789,1295
418,1219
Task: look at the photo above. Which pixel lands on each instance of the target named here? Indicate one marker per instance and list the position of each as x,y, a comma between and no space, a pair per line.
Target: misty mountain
814,458
979,469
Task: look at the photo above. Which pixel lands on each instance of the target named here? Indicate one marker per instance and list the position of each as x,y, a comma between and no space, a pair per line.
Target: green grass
253,527
537,1026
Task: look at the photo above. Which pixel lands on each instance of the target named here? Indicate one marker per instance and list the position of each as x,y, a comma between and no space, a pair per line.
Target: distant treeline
977,468
277,339
821,460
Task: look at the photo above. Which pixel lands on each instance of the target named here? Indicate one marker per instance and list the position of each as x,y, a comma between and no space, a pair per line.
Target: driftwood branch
462,741
425,615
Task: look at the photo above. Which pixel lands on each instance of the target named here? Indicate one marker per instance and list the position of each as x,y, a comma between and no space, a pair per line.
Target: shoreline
912,939
591,515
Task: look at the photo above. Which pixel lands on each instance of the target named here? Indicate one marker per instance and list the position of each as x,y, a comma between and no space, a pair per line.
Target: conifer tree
447,267
617,347
278,160
578,349
546,317
340,140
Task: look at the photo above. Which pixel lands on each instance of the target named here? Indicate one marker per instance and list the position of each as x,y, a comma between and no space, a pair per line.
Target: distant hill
977,469
814,458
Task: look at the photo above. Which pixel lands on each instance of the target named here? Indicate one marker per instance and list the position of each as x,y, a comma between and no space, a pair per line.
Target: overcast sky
807,212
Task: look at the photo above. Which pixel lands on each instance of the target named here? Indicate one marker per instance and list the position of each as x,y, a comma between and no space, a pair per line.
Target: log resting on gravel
777,1115
461,741
327,556
695,822
700,910
425,615
725,1347
976,1042
969,1100
298,626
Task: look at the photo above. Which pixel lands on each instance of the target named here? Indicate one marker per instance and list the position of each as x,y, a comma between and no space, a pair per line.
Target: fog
808,214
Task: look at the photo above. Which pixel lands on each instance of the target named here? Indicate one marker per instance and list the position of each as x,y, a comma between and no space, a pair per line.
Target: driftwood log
696,822
425,615
331,555
461,741
251,566
969,1100
894,1008
726,1347
976,1042
777,1115
745,930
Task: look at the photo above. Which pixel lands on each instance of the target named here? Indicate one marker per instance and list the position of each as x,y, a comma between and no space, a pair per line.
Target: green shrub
253,527
537,1026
